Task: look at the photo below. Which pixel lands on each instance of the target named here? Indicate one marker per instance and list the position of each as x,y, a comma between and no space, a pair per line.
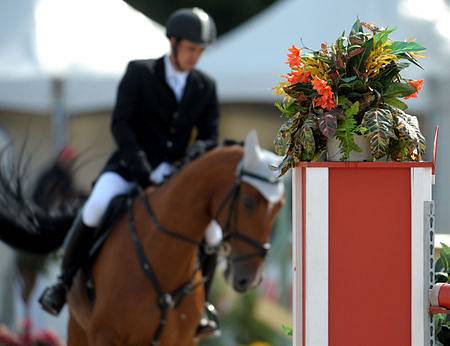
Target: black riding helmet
192,24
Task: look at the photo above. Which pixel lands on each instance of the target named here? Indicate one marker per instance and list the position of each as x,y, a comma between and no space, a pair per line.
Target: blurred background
61,61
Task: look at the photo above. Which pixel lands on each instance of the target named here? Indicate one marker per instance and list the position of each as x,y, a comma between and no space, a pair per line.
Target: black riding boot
209,323
77,245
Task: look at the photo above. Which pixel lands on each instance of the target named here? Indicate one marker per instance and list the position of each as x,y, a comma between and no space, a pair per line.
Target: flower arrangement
353,87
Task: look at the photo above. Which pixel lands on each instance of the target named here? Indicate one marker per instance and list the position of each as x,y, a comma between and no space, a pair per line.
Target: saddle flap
115,210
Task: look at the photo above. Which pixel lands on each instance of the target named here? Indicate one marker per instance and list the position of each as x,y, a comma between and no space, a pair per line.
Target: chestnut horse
149,289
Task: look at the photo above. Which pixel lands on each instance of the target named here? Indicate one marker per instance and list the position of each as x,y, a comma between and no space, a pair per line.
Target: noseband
230,229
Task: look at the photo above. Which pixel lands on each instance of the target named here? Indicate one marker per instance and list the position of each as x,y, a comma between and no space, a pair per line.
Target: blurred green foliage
240,326
442,271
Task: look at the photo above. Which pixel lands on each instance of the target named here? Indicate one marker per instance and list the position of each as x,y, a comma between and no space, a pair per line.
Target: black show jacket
148,117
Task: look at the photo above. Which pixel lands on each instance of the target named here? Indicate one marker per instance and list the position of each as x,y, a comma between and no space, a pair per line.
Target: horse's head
253,204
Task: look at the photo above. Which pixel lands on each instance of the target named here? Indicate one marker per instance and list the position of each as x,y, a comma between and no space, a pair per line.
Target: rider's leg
78,241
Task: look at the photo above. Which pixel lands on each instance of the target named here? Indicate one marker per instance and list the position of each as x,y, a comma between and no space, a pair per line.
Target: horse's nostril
243,282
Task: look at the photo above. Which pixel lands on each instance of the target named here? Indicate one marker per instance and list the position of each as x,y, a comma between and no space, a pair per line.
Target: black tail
47,236
24,225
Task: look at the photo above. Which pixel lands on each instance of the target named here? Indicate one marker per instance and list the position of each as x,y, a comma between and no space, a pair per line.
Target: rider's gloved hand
199,148
160,173
139,167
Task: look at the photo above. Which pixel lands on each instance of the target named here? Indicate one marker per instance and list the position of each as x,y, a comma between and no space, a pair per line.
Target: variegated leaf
380,129
283,137
409,132
404,127
306,136
328,124
421,143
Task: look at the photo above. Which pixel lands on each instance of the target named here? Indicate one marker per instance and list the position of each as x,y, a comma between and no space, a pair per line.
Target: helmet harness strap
174,47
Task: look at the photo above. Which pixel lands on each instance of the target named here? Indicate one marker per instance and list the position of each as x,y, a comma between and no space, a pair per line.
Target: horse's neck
187,203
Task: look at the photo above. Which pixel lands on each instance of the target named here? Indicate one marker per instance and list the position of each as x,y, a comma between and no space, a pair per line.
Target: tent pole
59,118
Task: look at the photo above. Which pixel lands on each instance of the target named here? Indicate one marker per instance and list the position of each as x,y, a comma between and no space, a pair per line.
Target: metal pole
59,118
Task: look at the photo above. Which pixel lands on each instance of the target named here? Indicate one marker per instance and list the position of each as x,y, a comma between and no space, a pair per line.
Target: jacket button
169,144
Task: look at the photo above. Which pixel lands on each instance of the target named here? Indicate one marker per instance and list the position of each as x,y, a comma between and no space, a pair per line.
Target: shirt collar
172,73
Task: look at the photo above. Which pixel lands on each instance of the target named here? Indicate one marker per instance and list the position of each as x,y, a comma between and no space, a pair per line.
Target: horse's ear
251,147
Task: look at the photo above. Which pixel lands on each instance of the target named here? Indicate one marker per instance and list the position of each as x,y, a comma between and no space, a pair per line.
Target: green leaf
382,36
306,137
282,138
345,133
287,109
355,85
410,58
284,135
353,110
287,330
393,101
349,79
441,277
400,47
343,101
405,127
357,27
380,129
368,45
409,132
287,163
445,255
398,90
439,266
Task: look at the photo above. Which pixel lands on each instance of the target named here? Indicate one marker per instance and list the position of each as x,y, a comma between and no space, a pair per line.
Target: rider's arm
207,124
124,110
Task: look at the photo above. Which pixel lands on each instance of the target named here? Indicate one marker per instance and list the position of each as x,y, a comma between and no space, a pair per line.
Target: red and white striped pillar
361,272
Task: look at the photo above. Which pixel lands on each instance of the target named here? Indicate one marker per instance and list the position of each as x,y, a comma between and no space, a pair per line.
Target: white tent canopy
86,44
248,62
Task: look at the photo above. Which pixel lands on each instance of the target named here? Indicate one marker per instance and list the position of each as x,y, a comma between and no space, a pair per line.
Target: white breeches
108,186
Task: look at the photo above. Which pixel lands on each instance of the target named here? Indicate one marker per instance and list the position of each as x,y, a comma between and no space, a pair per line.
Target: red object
359,259
440,295
67,153
438,310
378,264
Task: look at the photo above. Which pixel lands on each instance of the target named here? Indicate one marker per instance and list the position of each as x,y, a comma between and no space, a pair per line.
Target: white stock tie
177,87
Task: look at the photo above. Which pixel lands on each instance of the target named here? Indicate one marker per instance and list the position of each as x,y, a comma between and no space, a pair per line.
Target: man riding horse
159,102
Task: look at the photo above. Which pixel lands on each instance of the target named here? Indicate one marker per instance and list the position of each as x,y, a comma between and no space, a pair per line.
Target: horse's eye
249,202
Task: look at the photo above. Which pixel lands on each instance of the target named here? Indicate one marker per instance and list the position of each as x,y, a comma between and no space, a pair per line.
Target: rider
159,103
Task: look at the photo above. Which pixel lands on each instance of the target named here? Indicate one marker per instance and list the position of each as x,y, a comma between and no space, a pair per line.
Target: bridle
171,300
230,228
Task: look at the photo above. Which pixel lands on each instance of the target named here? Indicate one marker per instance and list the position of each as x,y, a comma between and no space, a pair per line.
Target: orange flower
325,102
320,85
293,57
326,96
416,84
298,76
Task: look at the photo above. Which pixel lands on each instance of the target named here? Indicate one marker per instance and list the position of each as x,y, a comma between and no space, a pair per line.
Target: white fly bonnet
257,169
